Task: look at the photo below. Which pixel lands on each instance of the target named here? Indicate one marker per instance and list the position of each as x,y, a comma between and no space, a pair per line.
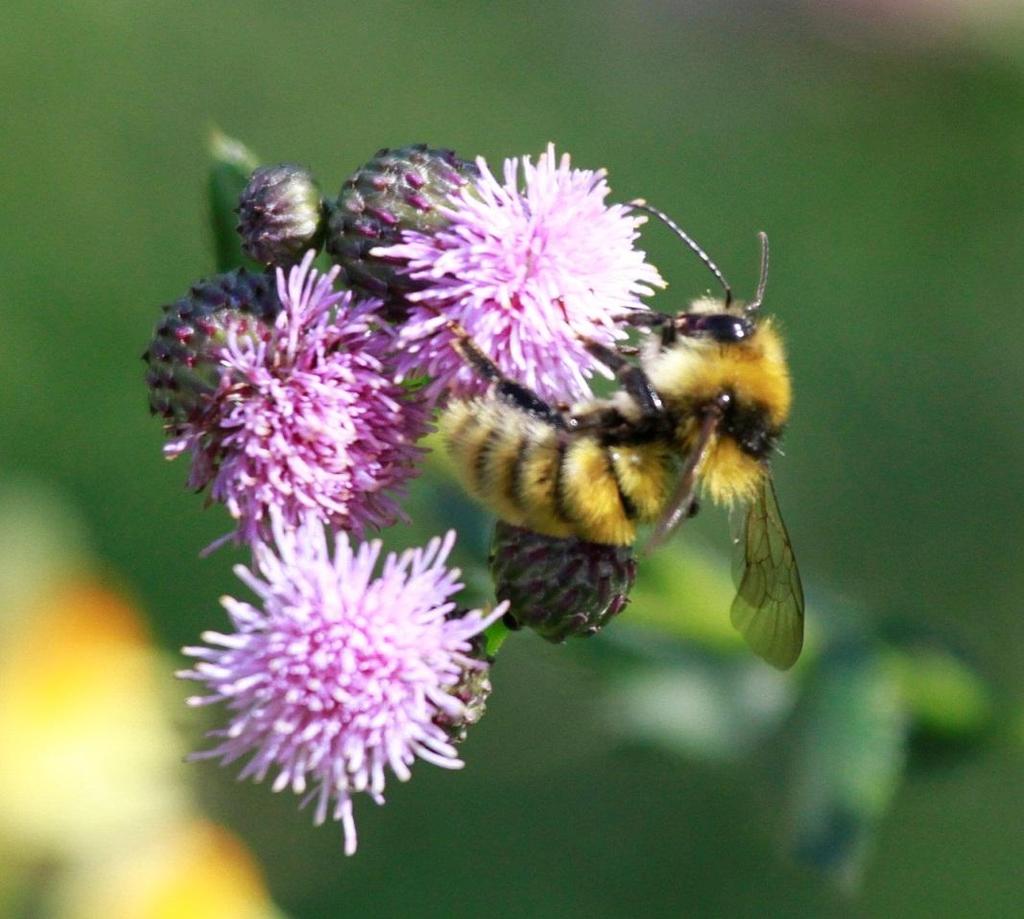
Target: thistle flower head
559,587
280,214
398,189
528,269
183,358
308,418
338,675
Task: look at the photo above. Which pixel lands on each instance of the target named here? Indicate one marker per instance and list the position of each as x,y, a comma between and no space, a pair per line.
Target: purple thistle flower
308,419
337,675
527,273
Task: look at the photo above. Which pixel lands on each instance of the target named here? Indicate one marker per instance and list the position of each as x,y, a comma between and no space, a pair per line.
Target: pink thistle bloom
309,419
338,675
527,272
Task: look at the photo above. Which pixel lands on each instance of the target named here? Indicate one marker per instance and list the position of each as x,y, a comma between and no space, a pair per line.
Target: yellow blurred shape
196,870
43,542
87,757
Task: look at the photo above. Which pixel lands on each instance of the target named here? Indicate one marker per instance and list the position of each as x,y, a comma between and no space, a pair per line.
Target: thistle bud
183,366
472,690
559,587
281,215
397,190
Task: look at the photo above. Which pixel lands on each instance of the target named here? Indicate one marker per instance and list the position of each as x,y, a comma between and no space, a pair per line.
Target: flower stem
495,635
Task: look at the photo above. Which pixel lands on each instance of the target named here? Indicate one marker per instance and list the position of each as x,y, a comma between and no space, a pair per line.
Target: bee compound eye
724,328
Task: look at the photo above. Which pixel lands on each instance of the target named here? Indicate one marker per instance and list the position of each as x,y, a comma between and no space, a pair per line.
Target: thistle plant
338,675
302,396
529,265
295,403
302,416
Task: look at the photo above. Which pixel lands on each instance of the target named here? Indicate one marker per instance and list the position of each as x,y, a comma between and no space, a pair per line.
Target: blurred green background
880,145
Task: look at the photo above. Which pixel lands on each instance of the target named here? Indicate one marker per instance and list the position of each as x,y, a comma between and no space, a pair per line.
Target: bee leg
648,319
605,419
505,388
470,352
633,378
528,401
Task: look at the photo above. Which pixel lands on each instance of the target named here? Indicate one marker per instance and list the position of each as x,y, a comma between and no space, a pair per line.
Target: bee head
713,319
718,358
744,382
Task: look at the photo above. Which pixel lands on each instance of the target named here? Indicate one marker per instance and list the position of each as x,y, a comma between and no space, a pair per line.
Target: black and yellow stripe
531,474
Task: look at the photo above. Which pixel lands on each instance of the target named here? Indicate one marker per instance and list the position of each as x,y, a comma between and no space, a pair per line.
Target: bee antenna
762,283
640,205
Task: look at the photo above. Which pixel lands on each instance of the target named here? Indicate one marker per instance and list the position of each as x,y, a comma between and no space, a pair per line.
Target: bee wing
769,607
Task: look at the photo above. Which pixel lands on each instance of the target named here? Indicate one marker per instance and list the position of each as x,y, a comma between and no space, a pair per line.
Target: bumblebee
703,407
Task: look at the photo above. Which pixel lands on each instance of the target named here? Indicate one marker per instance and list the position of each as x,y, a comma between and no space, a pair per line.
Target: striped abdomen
535,476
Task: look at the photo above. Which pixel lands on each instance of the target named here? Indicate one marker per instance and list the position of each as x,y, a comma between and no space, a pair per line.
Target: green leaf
702,705
851,758
686,592
945,699
231,164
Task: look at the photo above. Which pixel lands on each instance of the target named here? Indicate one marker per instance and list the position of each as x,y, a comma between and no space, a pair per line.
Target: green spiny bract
559,587
397,190
183,359
281,214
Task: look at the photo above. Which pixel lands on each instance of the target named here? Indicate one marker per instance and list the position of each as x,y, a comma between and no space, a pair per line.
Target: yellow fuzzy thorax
728,474
694,372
